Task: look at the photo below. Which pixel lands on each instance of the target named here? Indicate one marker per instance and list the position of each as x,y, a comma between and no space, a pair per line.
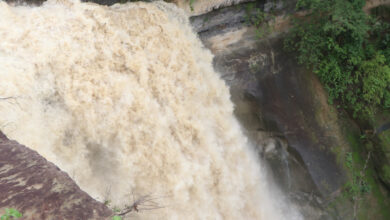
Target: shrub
347,49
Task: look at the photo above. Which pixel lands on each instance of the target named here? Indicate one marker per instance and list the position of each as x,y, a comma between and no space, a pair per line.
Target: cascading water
125,100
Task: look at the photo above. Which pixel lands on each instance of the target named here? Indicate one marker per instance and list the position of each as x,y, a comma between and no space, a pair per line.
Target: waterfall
125,100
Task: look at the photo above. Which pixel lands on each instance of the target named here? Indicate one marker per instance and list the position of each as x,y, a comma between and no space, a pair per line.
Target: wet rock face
282,107
39,190
285,110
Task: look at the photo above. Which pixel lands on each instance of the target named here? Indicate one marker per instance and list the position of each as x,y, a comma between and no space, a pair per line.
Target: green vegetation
256,17
358,186
363,196
382,147
11,214
348,50
369,198
192,4
350,53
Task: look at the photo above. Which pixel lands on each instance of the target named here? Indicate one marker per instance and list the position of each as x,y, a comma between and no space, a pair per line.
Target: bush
347,49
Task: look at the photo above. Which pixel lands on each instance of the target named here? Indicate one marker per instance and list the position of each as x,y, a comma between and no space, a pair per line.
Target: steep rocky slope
39,190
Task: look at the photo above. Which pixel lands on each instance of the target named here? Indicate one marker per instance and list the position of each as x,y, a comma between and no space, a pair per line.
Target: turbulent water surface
125,100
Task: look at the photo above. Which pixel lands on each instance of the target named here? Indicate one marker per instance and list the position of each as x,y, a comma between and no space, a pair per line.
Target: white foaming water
125,100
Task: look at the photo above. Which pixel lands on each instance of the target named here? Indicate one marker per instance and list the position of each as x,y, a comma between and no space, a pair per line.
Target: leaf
116,218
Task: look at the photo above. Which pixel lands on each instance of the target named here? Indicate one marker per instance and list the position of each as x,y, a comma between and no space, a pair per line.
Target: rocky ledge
39,189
